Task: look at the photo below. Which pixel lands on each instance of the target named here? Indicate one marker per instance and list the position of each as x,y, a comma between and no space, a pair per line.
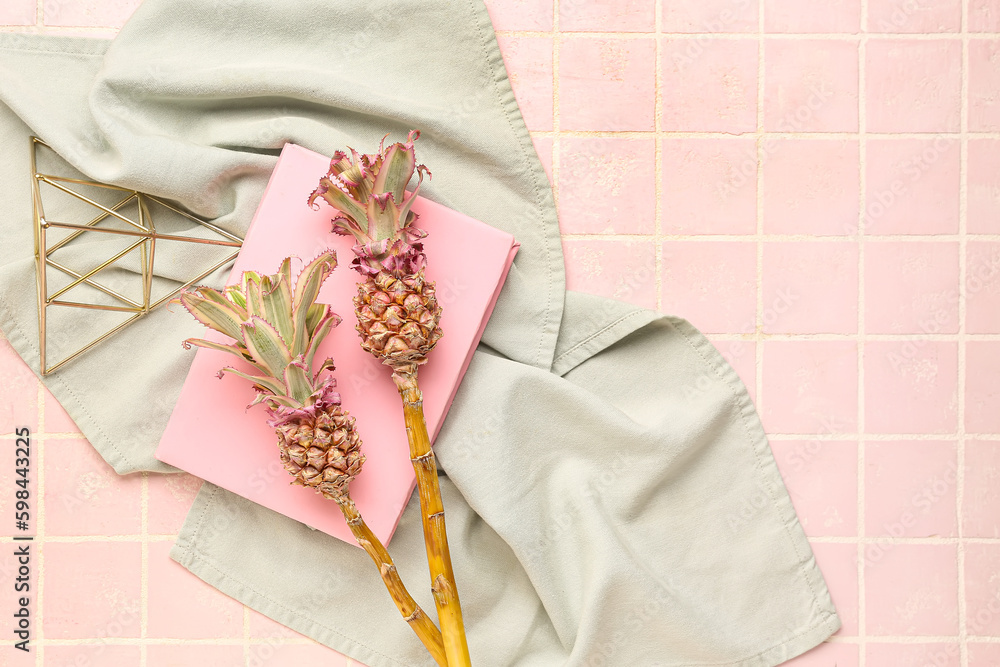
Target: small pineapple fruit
398,312
277,329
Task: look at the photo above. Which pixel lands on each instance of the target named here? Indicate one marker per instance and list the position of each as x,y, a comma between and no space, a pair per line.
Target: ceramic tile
911,489
810,186
810,287
982,391
913,85
810,85
984,655
912,186
624,270
981,506
908,655
170,498
177,655
909,16
982,590
910,589
84,495
984,81
984,16
710,16
18,392
984,185
982,287
529,68
607,15
713,283
18,12
520,14
105,655
911,386
607,185
911,288
606,84
709,85
105,603
709,186
822,479
810,387
182,606
812,16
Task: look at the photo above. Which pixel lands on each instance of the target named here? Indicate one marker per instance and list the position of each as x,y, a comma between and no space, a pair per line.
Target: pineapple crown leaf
276,328
237,349
266,345
215,313
369,191
307,315
298,381
327,365
260,382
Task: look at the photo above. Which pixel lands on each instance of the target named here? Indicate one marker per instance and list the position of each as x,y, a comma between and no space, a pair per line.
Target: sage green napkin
600,458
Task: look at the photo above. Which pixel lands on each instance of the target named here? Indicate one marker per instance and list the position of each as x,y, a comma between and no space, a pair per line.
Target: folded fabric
600,458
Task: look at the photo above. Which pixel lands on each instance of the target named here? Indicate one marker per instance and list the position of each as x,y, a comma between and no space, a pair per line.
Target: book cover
212,434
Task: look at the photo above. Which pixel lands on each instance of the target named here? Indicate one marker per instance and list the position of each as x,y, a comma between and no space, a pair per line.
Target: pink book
211,433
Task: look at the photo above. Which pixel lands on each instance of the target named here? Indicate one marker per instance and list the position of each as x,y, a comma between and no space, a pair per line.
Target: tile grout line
783,238
889,540
963,647
176,641
246,636
913,639
709,134
556,125
748,36
860,351
759,231
886,338
658,157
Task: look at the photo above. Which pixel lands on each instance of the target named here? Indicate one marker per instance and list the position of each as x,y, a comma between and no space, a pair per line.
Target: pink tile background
804,181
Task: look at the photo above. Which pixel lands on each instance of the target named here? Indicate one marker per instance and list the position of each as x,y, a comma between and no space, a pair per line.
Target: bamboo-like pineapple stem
419,622
432,511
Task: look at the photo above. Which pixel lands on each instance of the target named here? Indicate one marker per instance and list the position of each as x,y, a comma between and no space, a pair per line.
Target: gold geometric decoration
101,270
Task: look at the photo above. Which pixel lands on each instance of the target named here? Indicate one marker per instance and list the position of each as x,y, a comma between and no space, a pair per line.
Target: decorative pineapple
278,332
397,310
398,316
278,329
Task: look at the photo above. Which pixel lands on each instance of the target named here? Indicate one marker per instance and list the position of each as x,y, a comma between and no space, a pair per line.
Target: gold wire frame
143,230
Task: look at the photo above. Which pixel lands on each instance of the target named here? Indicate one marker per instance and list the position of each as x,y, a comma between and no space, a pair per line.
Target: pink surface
868,401
212,435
